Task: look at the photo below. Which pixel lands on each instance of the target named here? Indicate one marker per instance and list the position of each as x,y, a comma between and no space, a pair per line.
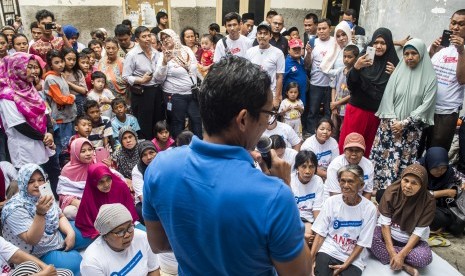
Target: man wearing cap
354,148
277,39
270,59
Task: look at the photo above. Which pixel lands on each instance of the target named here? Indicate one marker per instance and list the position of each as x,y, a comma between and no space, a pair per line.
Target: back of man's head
233,84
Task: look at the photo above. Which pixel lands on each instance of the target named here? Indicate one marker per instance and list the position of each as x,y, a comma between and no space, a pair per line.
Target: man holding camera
46,21
209,204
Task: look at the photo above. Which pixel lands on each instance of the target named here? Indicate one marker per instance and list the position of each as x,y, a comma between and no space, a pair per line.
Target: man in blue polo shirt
209,204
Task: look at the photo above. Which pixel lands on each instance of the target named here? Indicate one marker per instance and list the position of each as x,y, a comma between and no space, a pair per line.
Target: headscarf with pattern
180,52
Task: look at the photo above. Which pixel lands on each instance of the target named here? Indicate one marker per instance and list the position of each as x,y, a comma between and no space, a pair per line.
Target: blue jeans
62,136
183,106
318,95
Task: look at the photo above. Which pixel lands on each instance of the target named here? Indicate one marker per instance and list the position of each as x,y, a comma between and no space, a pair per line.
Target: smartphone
151,74
311,41
371,53
50,26
101,154
46,189
445,39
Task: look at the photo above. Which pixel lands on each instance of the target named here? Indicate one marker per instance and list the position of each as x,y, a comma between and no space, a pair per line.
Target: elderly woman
127,156
121,249
406,211
344,227
34,223
177,74
112,66
406,109
333,60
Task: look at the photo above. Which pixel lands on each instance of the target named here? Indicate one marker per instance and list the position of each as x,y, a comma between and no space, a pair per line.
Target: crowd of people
359,148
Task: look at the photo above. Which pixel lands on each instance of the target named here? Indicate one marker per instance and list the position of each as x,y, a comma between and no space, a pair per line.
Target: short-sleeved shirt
41,47
318,77
287,132
309,197
236,47
130,121
294,71
402,236
101,130
325,153
271,60
105,109
241,218
339,83
344,227
7,250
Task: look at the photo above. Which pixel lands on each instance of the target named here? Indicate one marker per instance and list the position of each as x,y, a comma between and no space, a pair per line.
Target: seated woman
73,176
147,153
344,227
406,211
308,190
443,183
279,145
127,156
102,187
121,249
35,223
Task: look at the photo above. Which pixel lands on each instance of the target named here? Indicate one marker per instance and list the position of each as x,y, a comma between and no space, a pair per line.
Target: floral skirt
391,154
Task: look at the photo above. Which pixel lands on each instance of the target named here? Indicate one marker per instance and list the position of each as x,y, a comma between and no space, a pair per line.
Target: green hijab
411,92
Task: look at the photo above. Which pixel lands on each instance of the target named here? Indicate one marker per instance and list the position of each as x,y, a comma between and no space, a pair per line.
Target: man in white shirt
236,44
270,59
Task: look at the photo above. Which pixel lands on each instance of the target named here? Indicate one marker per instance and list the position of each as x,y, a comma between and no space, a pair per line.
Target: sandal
438,241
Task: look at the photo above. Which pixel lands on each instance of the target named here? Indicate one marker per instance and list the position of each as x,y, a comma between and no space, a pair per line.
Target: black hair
44,14
292,29
139,30
277,142
248,16
184,138
52,54
231,16
352,48
122,29
15,36
233,84
459,12
209,36
82,118
183,32
312,16
351,12
325,20
116,101
98,33
217,38
112,40
89,104
87,51
4,37
95,42
34,25
325,120
305,156
161,14
98,75
75,69
290,85
127,22
81,55
214,27
160,126
271,13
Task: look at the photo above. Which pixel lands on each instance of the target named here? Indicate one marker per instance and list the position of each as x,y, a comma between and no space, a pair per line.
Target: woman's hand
362,62
452,193
390,68
43,204
397,262
167,56
48,139
70,240
397,127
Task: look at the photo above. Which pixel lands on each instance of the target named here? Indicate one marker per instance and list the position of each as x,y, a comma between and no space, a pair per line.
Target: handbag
136,89
458,209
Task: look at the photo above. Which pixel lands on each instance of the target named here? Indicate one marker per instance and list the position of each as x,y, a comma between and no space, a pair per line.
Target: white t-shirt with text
287,132
317,77
309,197
271,60
325,153
237,47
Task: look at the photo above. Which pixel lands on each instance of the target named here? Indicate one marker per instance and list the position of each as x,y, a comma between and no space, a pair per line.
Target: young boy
122,119
340,94
83,128
101,94
101,126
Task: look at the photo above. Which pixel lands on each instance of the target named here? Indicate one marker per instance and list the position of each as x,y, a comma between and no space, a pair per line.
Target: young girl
3,46
207,55
84,65
162,140
20,43
75,79
101,94
308,190
292,108
60,99
323,145
91,55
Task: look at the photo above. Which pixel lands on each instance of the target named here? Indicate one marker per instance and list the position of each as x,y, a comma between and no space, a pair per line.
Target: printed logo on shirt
132,263
323,53
322,154
347,244
299,199
446,59
365,177
294,68
235,50
347,223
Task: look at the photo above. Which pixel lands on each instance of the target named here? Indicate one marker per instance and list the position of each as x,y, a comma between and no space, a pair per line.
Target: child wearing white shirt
292,108
101,94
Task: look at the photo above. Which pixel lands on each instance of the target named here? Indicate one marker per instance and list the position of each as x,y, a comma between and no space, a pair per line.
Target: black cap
264,26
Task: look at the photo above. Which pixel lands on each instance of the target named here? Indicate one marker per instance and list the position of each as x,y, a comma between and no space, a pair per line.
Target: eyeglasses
165,39
272,115
121,233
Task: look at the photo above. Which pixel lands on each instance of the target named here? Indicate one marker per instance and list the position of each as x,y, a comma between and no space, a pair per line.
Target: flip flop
438,241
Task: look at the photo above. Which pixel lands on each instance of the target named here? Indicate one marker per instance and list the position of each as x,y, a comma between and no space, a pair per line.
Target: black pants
183,106
52,168
323,261
318,95
139,213
148,109
439,135
444,218
461,164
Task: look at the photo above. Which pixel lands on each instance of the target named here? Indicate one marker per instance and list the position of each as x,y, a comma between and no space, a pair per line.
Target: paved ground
454,254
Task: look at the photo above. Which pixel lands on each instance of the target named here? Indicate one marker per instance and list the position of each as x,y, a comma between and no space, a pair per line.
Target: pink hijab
15,87
93,199
75,170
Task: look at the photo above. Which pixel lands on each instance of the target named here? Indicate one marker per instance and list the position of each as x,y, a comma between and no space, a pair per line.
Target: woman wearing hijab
406,109
334,58
35,224
366,82
72,34
177,74
102,187
127,156
406,211
444,182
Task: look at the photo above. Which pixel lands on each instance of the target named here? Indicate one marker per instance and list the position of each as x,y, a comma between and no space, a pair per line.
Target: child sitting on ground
162,138
101,132
122,119
101,94
292,108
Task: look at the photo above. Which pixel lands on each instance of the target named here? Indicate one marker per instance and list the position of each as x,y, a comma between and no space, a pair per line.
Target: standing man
146,96
350,15
320,91
236,44
270,59
278,40
248,21
46,21
162,21
449,63
230,218
36,33
123,35
310,26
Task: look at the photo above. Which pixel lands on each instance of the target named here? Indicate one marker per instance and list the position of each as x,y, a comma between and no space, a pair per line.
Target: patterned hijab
24,200
15,87
409,211
181,52
330,58
126,159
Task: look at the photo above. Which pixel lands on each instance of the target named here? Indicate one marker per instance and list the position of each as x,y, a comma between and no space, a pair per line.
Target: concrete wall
199,18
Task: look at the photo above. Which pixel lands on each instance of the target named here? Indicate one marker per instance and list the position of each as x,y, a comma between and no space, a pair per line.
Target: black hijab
374,78
436,157
143,146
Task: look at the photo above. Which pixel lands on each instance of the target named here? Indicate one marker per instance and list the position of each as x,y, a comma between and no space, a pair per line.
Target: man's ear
241,120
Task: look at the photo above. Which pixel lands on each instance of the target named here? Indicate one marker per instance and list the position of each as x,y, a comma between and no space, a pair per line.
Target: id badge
169,106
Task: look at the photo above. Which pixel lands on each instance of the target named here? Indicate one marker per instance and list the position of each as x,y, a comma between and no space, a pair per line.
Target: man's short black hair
82,118
95,42
116,101
271,13
122,29
233,84
44,14
214,27
140,30
127,22
352,48
89,104
459,12
351,12
312,16
325,20
231,16
161,14
248,16
34,25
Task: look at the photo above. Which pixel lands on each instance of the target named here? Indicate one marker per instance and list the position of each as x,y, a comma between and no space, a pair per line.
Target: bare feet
410,270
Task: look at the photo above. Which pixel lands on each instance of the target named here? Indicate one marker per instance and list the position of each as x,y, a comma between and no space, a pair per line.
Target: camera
50,26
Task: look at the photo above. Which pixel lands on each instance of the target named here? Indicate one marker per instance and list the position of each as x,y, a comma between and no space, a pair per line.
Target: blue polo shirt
295,72
222,216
